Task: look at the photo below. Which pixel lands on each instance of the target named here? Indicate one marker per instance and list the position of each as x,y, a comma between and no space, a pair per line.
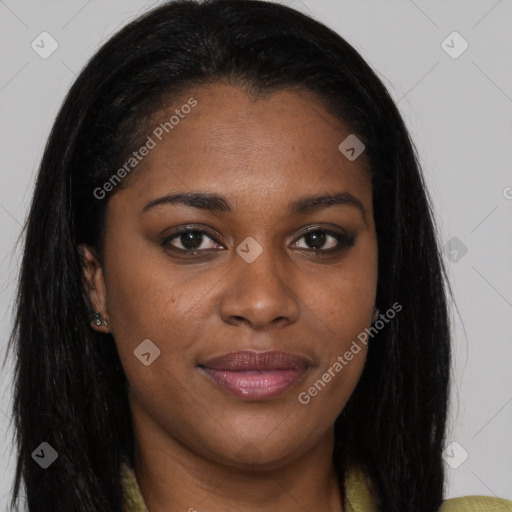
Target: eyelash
344,240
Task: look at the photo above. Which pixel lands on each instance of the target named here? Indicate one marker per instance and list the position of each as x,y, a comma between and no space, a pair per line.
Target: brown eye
324,241
191,240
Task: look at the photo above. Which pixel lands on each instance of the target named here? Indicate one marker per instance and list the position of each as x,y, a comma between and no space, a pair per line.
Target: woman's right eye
191,241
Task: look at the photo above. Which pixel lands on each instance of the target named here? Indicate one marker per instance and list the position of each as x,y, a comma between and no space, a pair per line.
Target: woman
231,283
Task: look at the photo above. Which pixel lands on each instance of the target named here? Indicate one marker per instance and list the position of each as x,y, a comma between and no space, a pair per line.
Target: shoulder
361,497
476,504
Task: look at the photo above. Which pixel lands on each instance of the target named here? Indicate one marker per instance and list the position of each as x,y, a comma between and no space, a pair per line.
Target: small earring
95,317
376,314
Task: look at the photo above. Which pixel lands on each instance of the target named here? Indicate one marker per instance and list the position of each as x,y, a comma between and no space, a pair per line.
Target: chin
259,455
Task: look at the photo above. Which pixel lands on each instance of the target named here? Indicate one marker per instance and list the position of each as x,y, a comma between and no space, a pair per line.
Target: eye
323,241
191,241
318,241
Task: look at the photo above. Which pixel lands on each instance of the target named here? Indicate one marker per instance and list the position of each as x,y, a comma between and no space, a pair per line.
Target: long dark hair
70,388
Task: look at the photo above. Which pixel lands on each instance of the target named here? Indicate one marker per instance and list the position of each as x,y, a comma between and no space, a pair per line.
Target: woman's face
252,282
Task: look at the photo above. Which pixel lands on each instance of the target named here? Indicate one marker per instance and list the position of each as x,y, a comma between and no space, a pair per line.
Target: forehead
231,143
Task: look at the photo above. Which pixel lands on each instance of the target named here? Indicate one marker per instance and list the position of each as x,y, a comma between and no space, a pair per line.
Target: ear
94,285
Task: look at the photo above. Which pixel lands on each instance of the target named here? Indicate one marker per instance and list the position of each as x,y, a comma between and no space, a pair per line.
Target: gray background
458,111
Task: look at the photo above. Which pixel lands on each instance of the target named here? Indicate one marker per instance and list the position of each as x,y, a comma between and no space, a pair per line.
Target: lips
256,375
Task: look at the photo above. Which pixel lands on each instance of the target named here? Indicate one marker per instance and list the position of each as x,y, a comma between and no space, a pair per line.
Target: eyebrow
216,203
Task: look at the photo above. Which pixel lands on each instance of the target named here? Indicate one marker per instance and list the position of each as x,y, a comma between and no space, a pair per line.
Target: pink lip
256,375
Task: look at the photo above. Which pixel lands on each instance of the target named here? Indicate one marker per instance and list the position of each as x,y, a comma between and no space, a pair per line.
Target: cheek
342,314
148,304
343,297
143,303
342,302
328,391
144,292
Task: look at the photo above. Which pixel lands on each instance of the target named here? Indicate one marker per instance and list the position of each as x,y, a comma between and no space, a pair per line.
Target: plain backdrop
458,109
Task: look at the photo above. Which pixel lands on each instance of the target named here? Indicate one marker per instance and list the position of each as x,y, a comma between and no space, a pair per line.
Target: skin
199,447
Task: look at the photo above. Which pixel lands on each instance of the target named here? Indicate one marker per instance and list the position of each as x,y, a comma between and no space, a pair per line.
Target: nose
259,294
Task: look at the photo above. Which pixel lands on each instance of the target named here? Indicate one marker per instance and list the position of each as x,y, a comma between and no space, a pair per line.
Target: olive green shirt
359,497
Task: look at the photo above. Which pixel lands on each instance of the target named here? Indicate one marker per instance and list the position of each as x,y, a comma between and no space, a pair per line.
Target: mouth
256,375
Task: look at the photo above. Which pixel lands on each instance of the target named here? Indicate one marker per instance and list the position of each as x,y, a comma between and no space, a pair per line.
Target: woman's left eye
324,241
